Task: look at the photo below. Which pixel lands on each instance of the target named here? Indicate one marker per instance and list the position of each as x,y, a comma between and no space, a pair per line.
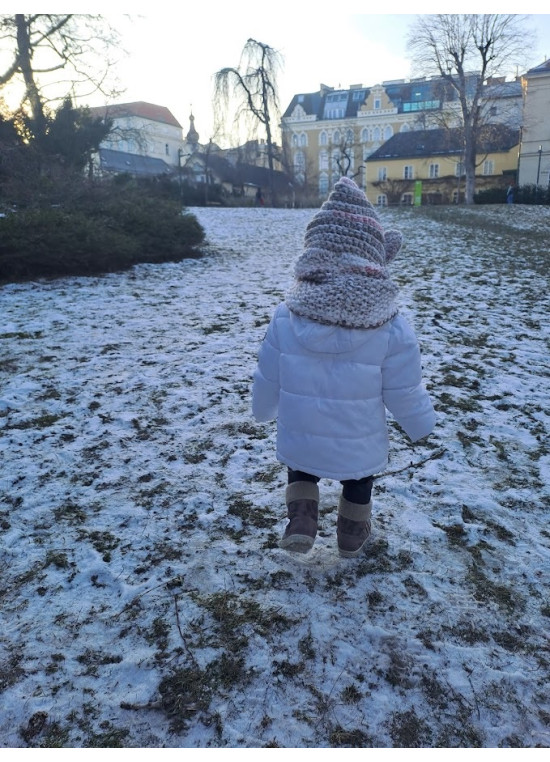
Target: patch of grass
110,738
288,669
465,631
41,422
22,335
306,647
267,475
408,731
232,613
183,693
249,513
57,559
487,591
70,512
356,739
92,660
351,694
11,672
103,542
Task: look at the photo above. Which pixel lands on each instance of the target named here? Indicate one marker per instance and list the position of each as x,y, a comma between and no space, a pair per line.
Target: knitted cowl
342,278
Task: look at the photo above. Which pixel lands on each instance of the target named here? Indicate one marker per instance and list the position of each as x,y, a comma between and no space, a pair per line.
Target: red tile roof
139,108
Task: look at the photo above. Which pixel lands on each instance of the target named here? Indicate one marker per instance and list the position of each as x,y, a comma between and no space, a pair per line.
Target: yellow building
426,166
331,132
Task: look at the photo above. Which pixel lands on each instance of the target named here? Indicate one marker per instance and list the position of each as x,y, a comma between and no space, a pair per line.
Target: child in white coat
336,354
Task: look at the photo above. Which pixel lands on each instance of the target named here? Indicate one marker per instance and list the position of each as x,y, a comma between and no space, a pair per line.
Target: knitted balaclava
341,278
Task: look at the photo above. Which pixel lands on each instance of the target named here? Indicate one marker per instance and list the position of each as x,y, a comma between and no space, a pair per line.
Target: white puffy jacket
329,386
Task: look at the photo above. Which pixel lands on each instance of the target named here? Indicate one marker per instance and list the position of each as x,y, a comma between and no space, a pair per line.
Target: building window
299,166
388,132
303,139
382,200
323,139
408,172
488,167
295,140
460,169
323,184
377,104
349,137
376,134
434,170
407,199
336,137
382,174
364,135
323,160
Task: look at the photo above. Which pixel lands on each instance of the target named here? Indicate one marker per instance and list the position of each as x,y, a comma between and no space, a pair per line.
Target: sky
169,53
173,63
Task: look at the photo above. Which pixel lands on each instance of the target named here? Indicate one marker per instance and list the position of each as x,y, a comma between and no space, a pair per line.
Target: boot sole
353,553
297,543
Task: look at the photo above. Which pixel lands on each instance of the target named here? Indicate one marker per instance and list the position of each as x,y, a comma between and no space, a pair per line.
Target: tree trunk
24,52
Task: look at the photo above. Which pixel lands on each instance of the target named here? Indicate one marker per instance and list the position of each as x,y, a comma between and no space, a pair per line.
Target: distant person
336,354
510,194
259,197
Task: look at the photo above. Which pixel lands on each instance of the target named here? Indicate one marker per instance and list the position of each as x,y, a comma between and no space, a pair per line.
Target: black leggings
354,490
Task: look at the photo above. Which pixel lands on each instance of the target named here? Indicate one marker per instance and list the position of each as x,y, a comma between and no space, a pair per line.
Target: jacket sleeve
403,391
265,387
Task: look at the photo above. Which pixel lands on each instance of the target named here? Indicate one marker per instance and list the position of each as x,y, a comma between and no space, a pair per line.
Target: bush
532,194
490,196
103,229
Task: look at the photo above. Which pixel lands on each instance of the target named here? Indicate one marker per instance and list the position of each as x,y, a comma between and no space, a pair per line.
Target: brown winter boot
353,527
302,500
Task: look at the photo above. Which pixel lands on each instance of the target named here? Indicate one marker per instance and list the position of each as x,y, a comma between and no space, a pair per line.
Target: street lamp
538,168
180,154
538,175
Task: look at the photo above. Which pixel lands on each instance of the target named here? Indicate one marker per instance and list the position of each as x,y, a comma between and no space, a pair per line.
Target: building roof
440,142
423,94
244,174
419,143
120,161
543,68
406,95
138,108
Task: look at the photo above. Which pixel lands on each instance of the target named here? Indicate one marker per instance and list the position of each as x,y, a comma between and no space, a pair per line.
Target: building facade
426,166
534,157
334,132
143,130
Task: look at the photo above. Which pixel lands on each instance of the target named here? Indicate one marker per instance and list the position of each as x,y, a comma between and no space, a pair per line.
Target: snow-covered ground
144,601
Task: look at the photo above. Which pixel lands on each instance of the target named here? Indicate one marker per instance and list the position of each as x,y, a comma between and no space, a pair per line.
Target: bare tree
455,45
254,85
67,52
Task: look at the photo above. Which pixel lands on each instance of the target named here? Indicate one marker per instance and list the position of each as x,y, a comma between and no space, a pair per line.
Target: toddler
336,354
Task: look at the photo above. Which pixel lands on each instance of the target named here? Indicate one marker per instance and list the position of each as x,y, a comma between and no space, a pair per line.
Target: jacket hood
332,339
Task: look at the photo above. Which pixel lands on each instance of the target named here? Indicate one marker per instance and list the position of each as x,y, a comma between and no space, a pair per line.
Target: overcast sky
171,51
174,54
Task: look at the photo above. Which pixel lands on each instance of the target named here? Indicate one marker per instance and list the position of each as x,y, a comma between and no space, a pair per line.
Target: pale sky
175,49
174,53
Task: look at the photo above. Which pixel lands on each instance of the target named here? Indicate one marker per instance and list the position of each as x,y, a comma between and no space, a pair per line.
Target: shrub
490,196
532,194
102,229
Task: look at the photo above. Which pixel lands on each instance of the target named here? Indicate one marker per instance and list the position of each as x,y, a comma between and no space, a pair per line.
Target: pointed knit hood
342,277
